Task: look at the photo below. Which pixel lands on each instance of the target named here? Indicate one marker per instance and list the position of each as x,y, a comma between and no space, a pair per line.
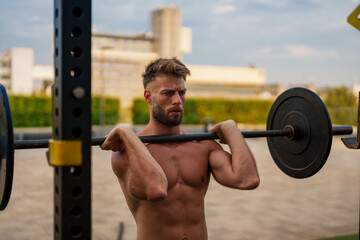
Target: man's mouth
176,111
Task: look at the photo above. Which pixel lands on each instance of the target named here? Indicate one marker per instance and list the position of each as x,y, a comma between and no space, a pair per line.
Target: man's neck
156,128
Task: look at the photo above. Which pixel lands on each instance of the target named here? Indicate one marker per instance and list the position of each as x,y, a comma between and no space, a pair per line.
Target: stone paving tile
326,204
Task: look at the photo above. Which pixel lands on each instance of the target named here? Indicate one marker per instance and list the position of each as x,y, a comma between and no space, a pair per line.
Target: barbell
298,130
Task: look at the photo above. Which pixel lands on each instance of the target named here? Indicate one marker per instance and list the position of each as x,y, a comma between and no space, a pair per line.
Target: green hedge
241,111
36,111
342,105
343,115
140,111
111,111
196,110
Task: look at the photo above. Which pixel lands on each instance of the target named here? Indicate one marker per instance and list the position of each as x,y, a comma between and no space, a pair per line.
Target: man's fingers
218,129
113,145
104,146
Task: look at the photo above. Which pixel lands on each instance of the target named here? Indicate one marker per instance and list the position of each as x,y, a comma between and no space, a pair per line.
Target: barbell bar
97,141
298,130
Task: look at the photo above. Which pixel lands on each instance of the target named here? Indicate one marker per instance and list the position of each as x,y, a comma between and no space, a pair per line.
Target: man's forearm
145,178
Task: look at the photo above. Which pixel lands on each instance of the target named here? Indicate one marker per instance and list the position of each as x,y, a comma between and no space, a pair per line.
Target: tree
46,83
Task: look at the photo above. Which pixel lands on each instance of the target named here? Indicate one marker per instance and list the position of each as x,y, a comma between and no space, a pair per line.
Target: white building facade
16,70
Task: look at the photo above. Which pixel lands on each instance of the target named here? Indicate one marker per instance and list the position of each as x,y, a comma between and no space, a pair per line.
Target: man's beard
161,116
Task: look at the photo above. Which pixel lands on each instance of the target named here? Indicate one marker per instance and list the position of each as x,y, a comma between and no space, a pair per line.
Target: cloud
265,50
303,51
222,9
299,52
272,3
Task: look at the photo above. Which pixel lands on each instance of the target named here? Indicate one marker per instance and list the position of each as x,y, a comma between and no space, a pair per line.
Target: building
20,75
16,68
223,81
118,62
43,78
172,39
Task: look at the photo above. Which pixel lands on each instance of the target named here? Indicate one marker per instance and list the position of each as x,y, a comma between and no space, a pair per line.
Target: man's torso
181,215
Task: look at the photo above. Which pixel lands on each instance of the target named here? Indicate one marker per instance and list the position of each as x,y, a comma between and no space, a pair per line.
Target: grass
348,237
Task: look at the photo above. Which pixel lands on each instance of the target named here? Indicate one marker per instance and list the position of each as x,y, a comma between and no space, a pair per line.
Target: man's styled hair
168,66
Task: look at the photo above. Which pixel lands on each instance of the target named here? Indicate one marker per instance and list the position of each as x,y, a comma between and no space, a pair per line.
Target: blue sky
295,41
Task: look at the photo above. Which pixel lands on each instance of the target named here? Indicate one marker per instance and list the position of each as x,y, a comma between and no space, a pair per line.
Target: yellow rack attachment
64,153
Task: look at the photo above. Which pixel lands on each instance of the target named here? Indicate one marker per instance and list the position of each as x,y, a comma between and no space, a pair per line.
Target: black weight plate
306,153
6,149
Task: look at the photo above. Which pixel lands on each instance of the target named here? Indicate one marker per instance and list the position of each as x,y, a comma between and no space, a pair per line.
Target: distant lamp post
103,74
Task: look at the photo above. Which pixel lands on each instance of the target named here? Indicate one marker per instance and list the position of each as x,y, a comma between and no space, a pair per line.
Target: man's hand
114,140
225,130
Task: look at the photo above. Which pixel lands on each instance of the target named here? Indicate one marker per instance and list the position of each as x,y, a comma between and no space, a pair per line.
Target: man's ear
147,95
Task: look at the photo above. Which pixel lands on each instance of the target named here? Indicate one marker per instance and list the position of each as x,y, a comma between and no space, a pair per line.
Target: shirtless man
165,184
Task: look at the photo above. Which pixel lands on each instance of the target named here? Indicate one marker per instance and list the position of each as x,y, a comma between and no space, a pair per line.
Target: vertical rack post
72,116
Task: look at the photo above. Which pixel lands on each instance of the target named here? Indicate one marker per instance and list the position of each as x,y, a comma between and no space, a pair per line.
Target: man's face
167,94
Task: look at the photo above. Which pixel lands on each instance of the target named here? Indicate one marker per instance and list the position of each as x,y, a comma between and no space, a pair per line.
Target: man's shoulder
208,145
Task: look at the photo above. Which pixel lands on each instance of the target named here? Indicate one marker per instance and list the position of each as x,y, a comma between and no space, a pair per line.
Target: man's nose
177,99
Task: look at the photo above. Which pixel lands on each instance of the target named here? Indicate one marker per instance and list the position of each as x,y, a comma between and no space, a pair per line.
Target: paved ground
326,204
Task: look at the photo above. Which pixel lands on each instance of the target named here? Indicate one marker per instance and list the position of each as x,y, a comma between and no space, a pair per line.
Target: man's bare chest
186,163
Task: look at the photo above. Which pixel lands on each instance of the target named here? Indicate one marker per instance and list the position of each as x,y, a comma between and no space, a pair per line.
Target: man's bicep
220,163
